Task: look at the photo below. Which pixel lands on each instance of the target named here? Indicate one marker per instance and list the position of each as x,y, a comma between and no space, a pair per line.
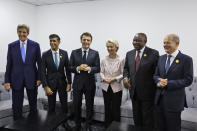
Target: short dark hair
143,35
54,36
20,26
86,34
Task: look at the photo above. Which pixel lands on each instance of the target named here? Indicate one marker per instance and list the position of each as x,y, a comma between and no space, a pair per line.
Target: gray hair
23,26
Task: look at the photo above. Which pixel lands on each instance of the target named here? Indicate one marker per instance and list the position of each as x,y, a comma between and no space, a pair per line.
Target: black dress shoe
67,127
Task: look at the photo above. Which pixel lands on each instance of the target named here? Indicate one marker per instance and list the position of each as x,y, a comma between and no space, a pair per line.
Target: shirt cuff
89,70
77,70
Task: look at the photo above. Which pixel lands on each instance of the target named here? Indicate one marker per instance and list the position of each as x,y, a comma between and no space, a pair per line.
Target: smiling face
170,44
54,43
111,48
86,41
22,34
139,42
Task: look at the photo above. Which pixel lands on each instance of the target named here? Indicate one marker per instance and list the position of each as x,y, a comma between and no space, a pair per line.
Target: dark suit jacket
142,80
17,71
93,61
51,76
179,75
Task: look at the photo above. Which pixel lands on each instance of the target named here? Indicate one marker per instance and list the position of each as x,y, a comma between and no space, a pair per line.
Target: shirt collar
85,50
174,54
55,51
142,50
23,42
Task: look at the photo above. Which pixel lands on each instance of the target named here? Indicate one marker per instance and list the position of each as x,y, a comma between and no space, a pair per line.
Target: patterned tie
84,57
23,51
56,60
137,60
168,63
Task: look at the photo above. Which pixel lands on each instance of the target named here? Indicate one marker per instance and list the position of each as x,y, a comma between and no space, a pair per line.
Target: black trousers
88,89
61,89
166,120
17,101
112,102
143,114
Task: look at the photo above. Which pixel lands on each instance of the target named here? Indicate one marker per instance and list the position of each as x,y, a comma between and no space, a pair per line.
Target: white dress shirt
87,51
58,56
173,56
141,52
25,45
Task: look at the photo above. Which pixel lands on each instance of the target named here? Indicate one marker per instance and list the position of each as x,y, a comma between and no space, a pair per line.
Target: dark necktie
84,57
168,63
137,60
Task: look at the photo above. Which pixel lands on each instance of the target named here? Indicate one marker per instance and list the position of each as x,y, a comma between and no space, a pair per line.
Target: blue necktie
168,63
23,51
56,60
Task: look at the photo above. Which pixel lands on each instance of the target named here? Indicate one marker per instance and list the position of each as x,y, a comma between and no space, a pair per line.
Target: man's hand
48,90
7,86
82,67
68,87
87,68
162,83
38,83
127,83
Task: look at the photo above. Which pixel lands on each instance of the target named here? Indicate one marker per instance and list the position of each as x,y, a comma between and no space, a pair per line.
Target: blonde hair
114,42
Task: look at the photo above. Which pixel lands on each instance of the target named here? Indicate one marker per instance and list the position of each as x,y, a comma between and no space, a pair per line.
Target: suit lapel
163,63
51,59
79,51
143,58
27,50
60,57
175,62
18,51
89,55
132,59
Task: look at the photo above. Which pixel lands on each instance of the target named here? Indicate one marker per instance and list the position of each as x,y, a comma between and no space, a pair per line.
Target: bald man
140,64
174,72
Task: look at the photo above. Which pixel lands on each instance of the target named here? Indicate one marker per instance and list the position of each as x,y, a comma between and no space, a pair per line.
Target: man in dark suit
174,72
138,74
84,63
54,79
23,70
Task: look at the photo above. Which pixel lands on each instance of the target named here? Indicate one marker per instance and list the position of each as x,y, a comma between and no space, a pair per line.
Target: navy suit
171,99
23,74
84,82
56,79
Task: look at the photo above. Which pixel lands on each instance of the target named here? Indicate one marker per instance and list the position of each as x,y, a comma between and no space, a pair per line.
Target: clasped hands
162,83
83,67
109,80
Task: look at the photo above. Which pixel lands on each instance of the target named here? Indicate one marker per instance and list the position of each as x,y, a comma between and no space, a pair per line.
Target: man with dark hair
54,78
140,64
174,72
84,63
23,70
